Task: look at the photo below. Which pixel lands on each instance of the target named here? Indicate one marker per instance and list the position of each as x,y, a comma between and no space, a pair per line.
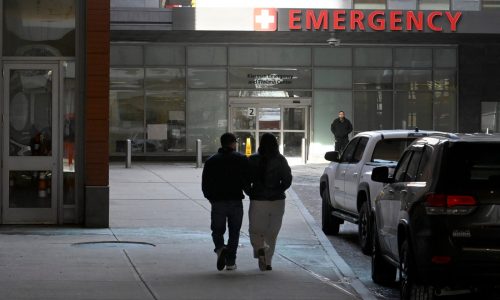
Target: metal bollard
198,153
303,151
128,154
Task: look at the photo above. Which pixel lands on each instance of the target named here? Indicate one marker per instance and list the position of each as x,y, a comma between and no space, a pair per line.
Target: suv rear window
390,149
472,165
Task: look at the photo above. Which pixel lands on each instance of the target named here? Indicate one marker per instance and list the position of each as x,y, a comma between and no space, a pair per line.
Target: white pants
265,218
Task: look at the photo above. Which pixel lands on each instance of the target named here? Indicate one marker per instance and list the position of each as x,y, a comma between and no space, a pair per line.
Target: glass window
400,173
490,117
411,173
466,5
207,78
434,4
126,120
333,57
373,57
445,111
269,56
445,58
348,154
413,57
370,79
369,4
39,28
327,105
373,110
402,4
164,55
126,79
333,78
207,115
243,118
165,122
207,56
270,94
491,4
126,55
270,78
294,118
269,118
444,80
358,155
413,110
25,189
390,149
413,80
165,79
425,168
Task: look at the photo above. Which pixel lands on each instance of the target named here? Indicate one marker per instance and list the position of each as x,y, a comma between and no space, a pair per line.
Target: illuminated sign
376,20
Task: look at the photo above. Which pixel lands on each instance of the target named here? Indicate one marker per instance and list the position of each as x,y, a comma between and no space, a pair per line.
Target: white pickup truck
346,187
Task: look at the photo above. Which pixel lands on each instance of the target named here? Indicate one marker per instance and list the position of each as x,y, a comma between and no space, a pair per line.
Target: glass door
287,123
30,144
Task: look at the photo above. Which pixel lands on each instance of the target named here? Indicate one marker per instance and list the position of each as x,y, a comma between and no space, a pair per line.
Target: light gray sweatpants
265,218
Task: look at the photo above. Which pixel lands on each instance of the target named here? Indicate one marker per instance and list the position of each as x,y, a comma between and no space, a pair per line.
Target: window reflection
39,27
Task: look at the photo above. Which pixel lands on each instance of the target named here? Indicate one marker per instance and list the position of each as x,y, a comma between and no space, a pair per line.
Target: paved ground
161,210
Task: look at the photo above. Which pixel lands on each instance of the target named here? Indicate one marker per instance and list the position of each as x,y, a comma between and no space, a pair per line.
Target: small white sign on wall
251,112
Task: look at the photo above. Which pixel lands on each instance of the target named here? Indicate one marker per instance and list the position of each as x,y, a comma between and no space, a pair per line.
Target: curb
342,269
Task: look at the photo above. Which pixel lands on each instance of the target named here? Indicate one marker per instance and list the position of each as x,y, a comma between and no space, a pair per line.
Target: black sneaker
221,259
269,268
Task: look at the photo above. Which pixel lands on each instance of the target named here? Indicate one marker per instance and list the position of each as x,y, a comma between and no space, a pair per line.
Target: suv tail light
441,204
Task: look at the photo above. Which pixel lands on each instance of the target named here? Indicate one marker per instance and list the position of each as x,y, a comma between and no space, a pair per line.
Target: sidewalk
160,208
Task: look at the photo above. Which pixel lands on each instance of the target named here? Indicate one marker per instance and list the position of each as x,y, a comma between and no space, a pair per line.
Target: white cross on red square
265,19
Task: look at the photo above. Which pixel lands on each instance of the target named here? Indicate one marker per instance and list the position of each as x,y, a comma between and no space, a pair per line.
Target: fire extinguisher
42,186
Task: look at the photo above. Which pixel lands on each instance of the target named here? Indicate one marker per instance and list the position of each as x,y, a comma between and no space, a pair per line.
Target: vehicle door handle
404,192
355,174
390,191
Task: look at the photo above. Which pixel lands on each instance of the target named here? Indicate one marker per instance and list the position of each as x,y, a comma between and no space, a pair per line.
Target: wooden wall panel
97,93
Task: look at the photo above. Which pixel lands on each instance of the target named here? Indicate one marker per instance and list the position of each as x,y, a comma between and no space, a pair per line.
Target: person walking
341,127
225,177
270,177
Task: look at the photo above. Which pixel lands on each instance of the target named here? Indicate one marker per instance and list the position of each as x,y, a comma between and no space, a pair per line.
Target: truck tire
365,233
329,224
383,272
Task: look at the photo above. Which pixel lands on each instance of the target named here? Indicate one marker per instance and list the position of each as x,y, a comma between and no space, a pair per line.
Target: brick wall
97,93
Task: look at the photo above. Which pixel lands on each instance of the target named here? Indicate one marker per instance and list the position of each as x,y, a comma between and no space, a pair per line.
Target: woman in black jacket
270,177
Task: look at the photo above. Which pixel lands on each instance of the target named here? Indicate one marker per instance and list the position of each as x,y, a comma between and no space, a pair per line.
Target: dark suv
437,219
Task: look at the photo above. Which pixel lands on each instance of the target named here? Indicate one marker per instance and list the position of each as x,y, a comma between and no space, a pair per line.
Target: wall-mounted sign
251,112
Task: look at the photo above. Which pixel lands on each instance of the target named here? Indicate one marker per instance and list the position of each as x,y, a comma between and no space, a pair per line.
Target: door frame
30,163
282,103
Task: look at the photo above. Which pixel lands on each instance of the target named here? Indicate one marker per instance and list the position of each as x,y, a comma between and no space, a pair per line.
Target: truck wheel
364,229
383,272
330,224
410,289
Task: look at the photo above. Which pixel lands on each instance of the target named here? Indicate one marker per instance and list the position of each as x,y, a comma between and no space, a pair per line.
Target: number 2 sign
251,112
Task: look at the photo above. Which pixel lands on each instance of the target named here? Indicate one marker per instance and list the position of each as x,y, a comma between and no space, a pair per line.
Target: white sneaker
231,267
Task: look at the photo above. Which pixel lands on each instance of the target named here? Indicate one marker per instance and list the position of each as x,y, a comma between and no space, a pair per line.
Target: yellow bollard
248,147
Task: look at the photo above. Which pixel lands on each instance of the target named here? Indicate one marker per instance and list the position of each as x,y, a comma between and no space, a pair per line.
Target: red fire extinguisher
42,186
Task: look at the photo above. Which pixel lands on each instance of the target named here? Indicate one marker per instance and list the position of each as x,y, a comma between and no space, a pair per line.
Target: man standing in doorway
341,127
224,178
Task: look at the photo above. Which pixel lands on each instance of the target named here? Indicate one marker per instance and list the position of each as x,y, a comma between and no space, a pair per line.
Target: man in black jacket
225,177
341,127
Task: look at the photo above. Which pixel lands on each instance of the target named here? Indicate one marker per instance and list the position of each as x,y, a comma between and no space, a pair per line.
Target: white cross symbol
264,19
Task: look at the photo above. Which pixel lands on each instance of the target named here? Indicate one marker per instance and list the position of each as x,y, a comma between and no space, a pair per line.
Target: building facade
180,73
54,103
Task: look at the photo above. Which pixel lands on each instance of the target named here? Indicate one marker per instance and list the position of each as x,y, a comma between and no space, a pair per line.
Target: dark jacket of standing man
341,127
224,178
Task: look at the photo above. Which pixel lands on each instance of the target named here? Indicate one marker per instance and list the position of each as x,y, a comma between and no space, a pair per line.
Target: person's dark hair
227,139
268,148
341,111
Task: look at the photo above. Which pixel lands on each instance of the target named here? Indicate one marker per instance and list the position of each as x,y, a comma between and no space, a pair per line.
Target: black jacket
341,129
270,177
225,176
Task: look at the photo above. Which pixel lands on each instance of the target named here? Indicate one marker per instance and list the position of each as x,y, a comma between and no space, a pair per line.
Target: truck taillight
440,204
